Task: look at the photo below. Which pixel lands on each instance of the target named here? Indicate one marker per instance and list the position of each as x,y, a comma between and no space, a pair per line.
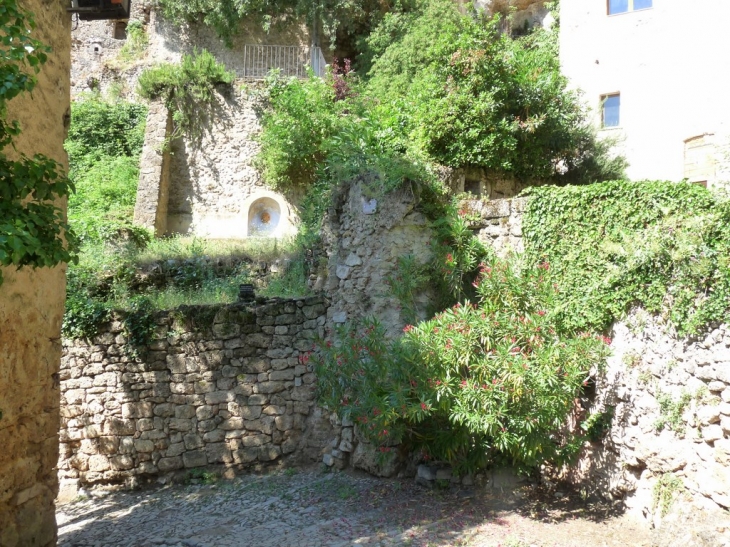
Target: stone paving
313,509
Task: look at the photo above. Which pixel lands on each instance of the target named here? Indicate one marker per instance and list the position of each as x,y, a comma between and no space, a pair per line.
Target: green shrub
136,43
478,384
104,129
187,88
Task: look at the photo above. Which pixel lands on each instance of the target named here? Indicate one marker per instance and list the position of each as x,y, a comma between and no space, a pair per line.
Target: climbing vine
33,229
661,245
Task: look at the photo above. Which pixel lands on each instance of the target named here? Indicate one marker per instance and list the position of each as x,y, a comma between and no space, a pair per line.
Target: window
610,109
699,159
622,6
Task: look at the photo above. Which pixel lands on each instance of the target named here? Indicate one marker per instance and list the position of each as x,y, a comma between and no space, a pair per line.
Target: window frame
630,8
603,98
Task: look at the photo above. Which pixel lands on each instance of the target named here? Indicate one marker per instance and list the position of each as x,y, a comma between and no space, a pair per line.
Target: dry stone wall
497,223
237,393
670,399
364,239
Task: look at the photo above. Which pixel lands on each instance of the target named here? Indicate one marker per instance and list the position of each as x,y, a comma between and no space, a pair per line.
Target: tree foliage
445,88
33,230
343,19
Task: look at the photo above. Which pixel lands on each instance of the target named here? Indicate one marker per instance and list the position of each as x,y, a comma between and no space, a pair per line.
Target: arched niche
264,218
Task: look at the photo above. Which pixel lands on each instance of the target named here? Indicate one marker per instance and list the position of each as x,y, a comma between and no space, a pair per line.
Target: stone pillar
150,210
31,309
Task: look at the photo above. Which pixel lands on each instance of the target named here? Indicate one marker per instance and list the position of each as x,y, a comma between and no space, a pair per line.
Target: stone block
269,452
284,423
195,458
218,453
185,412
98,463
115,426
232,423
217,397
712,433
122,462
192,441
141,445
170,464
137,410
179,424
270,387
258,340
253,440
245,455
214,436
205,412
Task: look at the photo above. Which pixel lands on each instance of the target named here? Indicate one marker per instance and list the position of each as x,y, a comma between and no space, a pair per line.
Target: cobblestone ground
313,509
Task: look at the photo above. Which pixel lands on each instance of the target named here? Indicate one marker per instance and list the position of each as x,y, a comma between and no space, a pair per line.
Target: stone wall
237,393
31,307
153,188
671,403
213,179
497,223
364,239
96,51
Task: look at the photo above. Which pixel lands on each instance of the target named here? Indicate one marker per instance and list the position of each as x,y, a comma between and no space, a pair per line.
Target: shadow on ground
313,509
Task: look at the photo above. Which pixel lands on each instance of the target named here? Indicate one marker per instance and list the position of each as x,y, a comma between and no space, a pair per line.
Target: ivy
660,245
139,325
33,230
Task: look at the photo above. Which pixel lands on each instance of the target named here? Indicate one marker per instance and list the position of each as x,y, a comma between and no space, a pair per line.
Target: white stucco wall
669,64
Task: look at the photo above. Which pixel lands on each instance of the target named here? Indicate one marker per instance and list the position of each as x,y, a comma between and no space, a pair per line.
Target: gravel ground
313,509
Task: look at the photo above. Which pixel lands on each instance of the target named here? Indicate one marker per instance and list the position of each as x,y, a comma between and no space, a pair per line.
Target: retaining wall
234,389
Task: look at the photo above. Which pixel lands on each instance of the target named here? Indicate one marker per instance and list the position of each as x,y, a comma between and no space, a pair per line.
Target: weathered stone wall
96,52
238,393
31,307
364,239
497,222
213,179
671,404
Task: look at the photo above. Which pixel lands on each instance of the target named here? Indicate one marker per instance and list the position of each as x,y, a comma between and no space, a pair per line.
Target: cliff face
31,308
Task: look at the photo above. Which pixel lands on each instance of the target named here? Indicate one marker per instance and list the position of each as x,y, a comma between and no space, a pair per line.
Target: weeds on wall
136,43
665,492
188,89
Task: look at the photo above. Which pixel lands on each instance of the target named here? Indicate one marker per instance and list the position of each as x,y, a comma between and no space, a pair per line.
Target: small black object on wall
246,293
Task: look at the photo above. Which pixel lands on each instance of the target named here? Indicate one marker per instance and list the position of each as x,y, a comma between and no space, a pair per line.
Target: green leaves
484,382
33,229
661,245
187,89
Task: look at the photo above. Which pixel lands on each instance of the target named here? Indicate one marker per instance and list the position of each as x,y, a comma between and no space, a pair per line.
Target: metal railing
291,61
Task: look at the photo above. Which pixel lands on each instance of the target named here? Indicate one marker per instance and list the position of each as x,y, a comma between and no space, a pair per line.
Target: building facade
652,72
31,308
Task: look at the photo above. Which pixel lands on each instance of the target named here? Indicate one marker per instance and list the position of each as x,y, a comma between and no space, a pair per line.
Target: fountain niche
264,217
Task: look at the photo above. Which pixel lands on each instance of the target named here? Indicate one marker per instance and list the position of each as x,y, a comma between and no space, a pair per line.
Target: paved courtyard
312,509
